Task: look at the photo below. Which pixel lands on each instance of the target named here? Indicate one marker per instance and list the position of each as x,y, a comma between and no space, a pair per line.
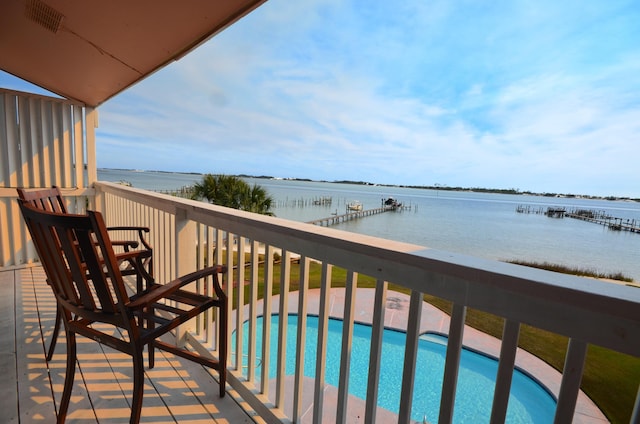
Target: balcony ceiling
91,50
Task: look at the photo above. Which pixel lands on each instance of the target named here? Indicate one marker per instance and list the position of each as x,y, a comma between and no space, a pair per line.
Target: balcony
282,267
48,141
188,234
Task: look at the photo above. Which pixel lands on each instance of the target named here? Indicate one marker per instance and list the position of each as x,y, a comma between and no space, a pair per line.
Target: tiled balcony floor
175,390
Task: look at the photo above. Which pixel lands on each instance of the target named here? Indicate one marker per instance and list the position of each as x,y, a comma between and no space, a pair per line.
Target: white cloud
511,94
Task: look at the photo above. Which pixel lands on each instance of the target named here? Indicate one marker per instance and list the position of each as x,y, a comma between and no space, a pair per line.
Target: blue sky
536,95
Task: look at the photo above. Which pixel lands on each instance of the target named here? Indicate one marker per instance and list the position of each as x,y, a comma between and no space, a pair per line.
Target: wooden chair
79,260
139,263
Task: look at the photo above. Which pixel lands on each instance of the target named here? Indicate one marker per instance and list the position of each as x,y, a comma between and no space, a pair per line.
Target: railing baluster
201,286
91,117
253,311
301,338
377,329
219,245
185,258
230,286
169,246
24,150
47,144
65,146
56,111
12,159
210,240
452,363
410,357
504,376
266,319
80,147
209,237
571,378
35,142
240,303
347,339
283,315
321,350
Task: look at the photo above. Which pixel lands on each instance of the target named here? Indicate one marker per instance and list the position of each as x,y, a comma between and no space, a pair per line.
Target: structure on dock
602,218
394,204
354,206
555,212
589,215
323,201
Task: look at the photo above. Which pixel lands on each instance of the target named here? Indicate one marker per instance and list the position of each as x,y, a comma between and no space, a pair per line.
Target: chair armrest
160,291
132,244
126,228
127,244
124,256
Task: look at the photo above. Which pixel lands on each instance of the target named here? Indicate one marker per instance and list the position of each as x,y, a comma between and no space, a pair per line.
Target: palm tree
258,201
233,192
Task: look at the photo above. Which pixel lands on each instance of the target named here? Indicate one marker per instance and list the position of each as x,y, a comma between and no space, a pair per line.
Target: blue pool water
529,402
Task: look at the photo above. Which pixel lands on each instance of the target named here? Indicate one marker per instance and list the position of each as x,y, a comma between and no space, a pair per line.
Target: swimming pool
529,402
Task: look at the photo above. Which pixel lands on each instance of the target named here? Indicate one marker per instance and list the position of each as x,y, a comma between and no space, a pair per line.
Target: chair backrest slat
70,246
48,248
95,271
48,199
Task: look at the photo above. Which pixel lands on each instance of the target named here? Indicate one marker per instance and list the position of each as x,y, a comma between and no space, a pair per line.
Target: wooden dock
615,224
589,215
338,219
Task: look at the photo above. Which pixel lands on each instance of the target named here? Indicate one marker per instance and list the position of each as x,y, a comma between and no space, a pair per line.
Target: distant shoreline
150,170
422,187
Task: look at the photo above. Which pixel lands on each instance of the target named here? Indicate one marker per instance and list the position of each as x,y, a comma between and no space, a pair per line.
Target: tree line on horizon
450,188
424,187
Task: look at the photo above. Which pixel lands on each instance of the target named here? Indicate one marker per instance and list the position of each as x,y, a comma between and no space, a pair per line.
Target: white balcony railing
187,234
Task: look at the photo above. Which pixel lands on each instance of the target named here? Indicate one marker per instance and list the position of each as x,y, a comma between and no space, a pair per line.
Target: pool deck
432,320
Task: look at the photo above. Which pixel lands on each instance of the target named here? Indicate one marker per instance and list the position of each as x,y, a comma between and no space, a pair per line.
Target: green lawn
610,378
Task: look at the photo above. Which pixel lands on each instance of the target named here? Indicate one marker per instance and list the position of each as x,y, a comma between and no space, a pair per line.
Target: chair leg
54,336
69,377
146,276
138,387
222,359
152,356
144,273
223,380
151,348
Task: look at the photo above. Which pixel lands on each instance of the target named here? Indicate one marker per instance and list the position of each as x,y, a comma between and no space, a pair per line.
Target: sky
540,96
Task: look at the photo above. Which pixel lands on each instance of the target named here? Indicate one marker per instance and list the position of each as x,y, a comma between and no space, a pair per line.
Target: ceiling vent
44,15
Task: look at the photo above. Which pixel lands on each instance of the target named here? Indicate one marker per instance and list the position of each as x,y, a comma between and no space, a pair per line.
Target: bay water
479,224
